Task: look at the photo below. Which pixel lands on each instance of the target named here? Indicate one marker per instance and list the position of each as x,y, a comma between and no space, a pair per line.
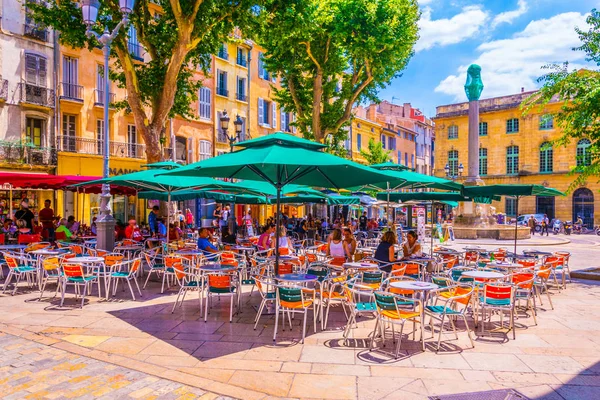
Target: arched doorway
583,206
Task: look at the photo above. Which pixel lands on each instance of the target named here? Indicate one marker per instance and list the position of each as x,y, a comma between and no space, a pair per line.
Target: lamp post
224,120
90,9
460,171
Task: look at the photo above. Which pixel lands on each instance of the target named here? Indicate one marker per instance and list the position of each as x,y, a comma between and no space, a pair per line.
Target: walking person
531,224
46,216
545,224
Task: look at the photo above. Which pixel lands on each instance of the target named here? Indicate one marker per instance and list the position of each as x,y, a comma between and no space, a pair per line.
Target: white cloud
509,16
509,64
453,30
424,2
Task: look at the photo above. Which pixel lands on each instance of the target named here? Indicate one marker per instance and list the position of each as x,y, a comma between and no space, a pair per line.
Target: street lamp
89,9
461,169
224,120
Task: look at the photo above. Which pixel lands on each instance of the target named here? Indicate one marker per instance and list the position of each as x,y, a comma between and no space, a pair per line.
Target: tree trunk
151,137
316,109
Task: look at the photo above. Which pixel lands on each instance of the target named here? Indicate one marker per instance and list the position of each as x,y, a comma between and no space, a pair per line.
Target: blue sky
510,39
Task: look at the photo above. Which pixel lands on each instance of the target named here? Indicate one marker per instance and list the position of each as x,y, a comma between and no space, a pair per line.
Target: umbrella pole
277,222
431,248
168,212
388,205
516,222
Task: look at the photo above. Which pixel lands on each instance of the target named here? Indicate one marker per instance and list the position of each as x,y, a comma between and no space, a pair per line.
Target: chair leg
43,286
440,334
260,310
148,278
85,286
138,286
314,319
64,289
468,330
276,322
374,334
399,339
206,306
16,284
304,325
176,301
7,281
130,289
231,308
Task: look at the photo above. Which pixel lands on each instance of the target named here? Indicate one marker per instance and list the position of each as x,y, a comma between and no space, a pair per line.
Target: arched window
546,156
483,129
512,160
583,154
453,132
583,206
483,162
453,162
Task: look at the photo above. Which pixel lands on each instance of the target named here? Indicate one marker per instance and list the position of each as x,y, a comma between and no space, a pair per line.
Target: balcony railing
4,89
35,31
99,98
222,138
38,95
242,61
74,144
26,153
222,91
223,53
241,97
136,51
71,91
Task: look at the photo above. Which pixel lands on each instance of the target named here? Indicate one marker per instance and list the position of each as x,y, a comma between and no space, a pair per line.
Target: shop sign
121,171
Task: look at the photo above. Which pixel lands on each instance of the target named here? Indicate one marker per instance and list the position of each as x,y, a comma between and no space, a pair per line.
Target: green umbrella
162,165
186,194
281,159
433,196
514,190
390,166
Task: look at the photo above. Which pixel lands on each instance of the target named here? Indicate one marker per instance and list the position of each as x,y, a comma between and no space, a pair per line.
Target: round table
414,285
217,268
359,265
283,258
13,247
504,265
298,278
46,252
85,260
483,275
537,253
448,252
188,252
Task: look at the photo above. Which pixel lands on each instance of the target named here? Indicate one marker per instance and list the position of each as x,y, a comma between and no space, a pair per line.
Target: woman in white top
336,247
284,241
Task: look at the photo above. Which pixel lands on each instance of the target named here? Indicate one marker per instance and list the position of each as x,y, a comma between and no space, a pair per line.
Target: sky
510,39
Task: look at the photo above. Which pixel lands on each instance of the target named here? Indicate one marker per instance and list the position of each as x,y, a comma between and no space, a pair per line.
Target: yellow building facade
514,148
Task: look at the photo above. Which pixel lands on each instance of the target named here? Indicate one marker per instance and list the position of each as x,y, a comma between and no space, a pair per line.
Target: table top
88,237
297,277
85,259
242,248
449,252
46,252
217,267
417,259
483,274
359,265
282,257
12,246
500,264
537,252
128,248
414,285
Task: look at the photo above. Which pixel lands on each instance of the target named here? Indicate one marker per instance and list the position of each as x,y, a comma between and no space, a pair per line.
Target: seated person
283,239
350,242
204,244
386,253
227,237
336,247
22,225
264,241
173,233
162,229
133,231
412,248
63,228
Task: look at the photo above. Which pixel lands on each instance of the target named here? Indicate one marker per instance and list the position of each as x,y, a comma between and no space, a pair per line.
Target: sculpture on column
473,89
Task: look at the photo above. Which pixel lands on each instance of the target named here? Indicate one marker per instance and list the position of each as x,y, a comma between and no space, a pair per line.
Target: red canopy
57,182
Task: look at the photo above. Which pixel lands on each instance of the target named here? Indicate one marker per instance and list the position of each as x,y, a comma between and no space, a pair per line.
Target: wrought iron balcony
35,31
241,97
136,51
99,98
32,94
222,91
128,150
71,92
3,89
27,153
74,144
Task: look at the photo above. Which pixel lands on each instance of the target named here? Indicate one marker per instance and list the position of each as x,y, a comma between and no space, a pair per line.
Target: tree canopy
376,154
178,36
334,54
578,91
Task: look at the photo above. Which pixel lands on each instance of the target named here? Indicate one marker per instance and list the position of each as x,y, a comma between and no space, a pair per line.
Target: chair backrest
11,261
499,255
526,263
449,260
372,277
112,259
456,274
464,293
26,239
441,281
171,260
289,295
398,269
318,271
544,271
129,242
284,251
412,268
37,246
471,256
73,270
524,280
286,268
338,261
60,236
498,294
135,265
385,301
50,264
219,281
77,249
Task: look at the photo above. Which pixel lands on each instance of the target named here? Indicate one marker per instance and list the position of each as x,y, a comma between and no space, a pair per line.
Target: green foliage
376,154
578,91
334,54
178,37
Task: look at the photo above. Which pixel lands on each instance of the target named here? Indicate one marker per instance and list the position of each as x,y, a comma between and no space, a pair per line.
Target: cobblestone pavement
143,341
29,370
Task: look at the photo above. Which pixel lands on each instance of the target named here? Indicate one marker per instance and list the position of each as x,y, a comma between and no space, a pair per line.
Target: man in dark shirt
46,216
25,214
362,221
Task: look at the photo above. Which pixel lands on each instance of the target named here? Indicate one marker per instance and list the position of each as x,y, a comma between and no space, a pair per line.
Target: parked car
522,220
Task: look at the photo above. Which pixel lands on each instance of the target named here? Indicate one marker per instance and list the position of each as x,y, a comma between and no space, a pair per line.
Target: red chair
2,238
26,239
60,236
500,298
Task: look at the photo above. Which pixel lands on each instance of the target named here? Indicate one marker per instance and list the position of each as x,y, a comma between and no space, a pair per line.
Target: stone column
473,89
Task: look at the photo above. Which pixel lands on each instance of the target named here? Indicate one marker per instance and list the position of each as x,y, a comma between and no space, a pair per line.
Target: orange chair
228,258
74,275
17,266
498,297
286,268
222,285
556,262
523,282
284,251
449,261
398,269
471,257
540,284
169,271
130,274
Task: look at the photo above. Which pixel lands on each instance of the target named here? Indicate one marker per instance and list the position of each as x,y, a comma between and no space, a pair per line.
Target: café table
501,264
360,266
96,264
217,268
19,247
488,275
537,253
419,287
296,278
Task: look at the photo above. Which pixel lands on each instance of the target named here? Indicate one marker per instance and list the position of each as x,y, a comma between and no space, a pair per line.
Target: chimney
522,89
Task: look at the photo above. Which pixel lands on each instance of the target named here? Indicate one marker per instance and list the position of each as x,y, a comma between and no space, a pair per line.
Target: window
483,162
222,83
412,161
383,141
223,52
391,143
100,136
241,89
512,125
453,162
510,206
483,129
35,70
264,112
546,155
100,86
133,44
584,158
452,132
68,132
32,28
274,115
358,141
406,159
204,103
131,141
399,157
34,129
204,149
244,131
180,149
286,119
512,160
372,129
241,57
546,122
262,72
70,78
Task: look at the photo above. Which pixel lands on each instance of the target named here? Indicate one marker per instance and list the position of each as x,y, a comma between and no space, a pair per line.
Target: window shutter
190,150
283,120
41,71
274,114
261,68
293,120
31,69
261,111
